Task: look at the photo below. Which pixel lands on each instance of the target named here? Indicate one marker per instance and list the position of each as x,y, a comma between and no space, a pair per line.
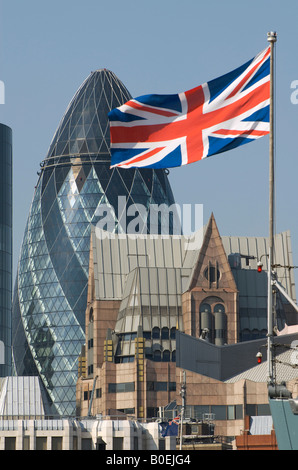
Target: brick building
150,298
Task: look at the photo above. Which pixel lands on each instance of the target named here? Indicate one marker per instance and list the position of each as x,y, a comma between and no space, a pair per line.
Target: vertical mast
183,396
272,37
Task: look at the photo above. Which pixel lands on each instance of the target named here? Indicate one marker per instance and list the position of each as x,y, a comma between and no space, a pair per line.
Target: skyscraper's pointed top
84,128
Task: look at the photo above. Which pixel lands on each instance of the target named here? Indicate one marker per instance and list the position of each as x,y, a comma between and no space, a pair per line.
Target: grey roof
22,396
147,292
116,255
286,370
258,248
234,362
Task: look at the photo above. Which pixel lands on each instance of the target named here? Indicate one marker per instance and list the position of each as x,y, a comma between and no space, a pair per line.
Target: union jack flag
163,131
171,429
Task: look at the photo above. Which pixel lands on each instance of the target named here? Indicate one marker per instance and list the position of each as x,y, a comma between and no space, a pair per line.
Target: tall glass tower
5,248
51,286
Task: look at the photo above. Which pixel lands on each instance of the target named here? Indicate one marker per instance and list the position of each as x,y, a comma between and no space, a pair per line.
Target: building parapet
88,434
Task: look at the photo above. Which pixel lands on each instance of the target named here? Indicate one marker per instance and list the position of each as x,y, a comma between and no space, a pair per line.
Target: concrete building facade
26,424
72,434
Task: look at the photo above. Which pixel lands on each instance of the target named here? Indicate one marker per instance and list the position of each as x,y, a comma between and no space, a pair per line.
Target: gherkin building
75,180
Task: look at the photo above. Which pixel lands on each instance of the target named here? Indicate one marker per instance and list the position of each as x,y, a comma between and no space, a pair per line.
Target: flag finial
272,36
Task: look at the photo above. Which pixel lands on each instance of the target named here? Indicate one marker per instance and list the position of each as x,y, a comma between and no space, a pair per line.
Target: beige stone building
158,306
25,424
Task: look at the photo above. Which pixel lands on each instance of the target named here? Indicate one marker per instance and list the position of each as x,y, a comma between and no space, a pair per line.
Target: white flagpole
271,37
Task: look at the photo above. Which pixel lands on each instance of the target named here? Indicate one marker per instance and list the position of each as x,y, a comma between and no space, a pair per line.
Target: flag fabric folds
171,428
163,131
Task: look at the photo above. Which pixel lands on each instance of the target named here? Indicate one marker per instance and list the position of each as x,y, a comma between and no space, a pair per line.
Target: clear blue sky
47,49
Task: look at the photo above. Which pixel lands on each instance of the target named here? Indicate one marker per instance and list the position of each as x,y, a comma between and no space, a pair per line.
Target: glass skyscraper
51,286
5,248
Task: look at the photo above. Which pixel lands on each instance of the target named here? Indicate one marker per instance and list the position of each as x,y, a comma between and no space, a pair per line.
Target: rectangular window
161,386
10,443
251,410
121,387
172,386
231,412
41,443
117,443
150,386
86,444
127,411
161,444
220,412
26,443
152,412
239,411
200,411
263,410
112,388
56,443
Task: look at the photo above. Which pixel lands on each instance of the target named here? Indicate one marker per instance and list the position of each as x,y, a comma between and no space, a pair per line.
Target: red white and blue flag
171,428
163,131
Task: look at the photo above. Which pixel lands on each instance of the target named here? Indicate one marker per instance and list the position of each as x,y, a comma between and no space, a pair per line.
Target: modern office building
157,306
75,182
5,249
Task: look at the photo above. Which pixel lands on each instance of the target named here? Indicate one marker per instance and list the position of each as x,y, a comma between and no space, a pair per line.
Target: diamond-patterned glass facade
51,287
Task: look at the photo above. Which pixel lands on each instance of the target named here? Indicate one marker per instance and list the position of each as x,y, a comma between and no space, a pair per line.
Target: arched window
204,307
255,334
91,317
165,333
219,308
174,355
212,274
155,332
245,335
206,326
213,320
173,333
166,356
157,356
